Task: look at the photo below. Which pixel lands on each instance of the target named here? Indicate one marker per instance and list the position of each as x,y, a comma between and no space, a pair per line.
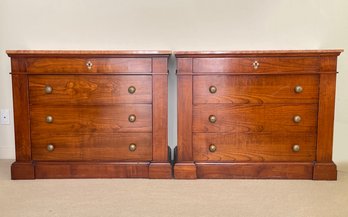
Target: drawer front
257,65
91,119
254,118
254,147
93,147
89,65
78,89
255,89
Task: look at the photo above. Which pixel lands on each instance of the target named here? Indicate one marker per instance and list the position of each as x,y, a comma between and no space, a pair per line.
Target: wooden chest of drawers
256,114
90,114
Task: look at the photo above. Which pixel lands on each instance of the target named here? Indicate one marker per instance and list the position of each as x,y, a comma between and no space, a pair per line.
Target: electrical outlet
4,116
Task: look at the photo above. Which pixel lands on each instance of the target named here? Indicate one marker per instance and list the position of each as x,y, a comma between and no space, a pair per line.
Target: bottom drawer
116,147
253,147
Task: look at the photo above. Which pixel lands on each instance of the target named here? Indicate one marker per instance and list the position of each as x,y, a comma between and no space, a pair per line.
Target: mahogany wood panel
326,117
89,89
184,112
160,110
21,117
266,65
185,171
274,170
257,53
93,147
79,65
91,119
325,171
22,170
160,171
251,89
59,170
246,147
254,118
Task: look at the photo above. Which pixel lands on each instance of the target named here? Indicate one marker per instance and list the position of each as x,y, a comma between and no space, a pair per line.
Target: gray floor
142,197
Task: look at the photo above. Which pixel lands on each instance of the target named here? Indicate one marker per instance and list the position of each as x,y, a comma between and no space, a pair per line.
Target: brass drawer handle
49,119
132,118
297,119
89,65
256,64
296,148
298,89
131,89
48,89
212,89
50,147
212,119
132,147
212,148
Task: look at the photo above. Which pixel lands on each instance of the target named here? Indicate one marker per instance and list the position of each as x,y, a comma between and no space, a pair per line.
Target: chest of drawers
256,114
90,114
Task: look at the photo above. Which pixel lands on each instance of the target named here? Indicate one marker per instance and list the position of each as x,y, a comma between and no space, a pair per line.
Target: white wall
176,25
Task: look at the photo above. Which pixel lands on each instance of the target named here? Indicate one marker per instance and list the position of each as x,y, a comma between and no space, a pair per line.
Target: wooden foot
325,171
185,171
22,170
160,171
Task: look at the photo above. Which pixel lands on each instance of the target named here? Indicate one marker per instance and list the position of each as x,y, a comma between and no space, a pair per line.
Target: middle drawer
91,119
254,118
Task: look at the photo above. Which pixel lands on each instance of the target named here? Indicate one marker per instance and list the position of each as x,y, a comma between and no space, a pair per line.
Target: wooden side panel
255,170
160,110
79,65
264,65
184,110
59,170
90,89
21,117
326,117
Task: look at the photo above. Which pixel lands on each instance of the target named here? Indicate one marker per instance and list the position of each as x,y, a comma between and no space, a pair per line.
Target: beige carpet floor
142,197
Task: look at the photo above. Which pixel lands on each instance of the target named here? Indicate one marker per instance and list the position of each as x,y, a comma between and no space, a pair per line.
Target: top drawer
257,65
89,65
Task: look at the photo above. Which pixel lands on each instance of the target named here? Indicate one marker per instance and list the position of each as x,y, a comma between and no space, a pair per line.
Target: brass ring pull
132,147
132,118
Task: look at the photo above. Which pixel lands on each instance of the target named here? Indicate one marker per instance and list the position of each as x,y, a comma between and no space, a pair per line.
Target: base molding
325,171
160,171
185,171
270,170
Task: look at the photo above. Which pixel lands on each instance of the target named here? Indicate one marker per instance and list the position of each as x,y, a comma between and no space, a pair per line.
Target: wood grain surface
89,90
91,119
252,89
254,118
252,147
